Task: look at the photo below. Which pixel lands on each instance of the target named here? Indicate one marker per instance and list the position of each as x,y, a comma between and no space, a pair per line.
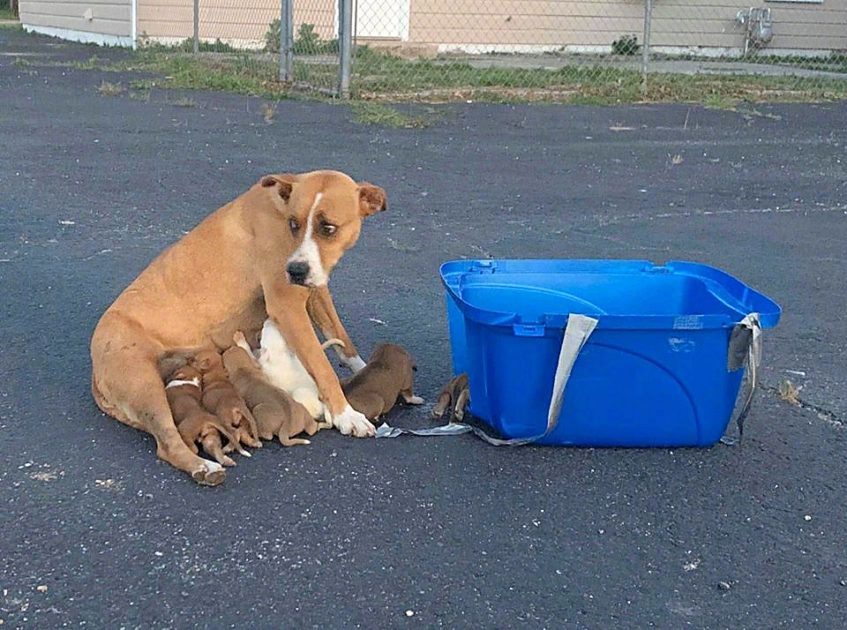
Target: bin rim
735,294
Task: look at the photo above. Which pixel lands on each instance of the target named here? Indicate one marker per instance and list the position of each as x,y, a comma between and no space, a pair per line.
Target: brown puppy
222,399
193,422
454,396
374,390
276,412
268,253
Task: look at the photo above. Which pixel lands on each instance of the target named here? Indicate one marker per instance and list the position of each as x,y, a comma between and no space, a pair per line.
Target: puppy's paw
352,422
414,400
209,473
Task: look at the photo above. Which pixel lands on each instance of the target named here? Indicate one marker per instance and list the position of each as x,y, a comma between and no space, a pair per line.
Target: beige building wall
470,25
240,22
474,25
112,18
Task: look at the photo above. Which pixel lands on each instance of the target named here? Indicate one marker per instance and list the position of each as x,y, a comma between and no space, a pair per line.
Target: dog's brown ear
284,182
372,199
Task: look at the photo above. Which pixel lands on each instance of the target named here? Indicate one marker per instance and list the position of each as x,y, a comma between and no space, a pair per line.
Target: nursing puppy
276,413
193,422
284,370
221,398
388,375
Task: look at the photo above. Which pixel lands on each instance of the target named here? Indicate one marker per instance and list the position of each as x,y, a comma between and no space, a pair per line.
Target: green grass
92,63
107,88
6,14
834,62
380,114
242,74
382,77
719,101
187,46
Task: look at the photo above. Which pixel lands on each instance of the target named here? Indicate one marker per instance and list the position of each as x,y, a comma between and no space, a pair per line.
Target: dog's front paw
351,421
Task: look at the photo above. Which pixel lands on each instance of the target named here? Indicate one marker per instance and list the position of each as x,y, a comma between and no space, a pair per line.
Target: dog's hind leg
252,429
144,400
213,445
461,404
288,441
266,420
127,385
441,404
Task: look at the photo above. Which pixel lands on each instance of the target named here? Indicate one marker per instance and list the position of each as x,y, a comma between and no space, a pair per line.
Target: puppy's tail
329,343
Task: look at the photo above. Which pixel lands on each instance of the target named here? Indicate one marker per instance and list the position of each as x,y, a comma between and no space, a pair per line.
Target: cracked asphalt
417,532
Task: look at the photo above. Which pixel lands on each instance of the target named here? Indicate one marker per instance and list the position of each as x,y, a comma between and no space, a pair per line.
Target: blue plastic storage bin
653,373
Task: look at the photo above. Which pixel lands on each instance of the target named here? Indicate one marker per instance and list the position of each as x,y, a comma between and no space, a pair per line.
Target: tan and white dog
267,254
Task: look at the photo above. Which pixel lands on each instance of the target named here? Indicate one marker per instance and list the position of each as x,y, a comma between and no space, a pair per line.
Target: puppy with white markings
194,423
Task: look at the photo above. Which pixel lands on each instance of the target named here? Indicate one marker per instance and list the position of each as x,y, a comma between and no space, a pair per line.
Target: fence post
345,43
645,48
196,26
286,41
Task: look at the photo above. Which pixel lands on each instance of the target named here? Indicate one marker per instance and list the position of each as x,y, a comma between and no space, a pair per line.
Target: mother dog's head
323,212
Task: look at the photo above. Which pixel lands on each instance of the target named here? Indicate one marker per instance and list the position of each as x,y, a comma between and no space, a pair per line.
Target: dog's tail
329,343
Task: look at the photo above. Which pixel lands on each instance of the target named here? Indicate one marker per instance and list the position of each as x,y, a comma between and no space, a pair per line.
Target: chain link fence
563,50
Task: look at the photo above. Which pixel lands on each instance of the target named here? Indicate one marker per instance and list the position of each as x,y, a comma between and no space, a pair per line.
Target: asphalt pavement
417,532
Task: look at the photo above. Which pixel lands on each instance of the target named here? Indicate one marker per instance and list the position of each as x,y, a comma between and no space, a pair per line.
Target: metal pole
196,26
345,41
286,41
133,23
645,49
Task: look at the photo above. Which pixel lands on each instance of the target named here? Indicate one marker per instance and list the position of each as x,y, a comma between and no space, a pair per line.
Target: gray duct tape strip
577,332
745,350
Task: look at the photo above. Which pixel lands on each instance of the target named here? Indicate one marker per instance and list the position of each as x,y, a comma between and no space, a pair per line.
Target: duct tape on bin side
745,350
577,332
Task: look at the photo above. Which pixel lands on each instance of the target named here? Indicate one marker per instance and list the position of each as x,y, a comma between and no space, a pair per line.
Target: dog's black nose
297,272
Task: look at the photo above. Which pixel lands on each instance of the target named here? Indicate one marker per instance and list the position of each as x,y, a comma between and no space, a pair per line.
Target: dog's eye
327,229
294,224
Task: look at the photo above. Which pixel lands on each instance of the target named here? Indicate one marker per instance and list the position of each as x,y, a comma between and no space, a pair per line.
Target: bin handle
577,332
745,351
